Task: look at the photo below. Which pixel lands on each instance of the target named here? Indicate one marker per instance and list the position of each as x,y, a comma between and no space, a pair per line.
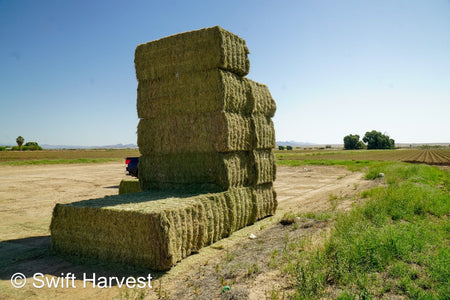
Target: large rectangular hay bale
264,200
243,212
193,93
133,228
160,171
203,49
264,132
265,166
127,186
219,131
150,229
260,98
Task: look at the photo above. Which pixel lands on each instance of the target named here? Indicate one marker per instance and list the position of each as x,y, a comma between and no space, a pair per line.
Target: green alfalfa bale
204,49
151,229
134,228
260,98
264,200
209,220
219,212
217,131
265,166
230,211
239,203
219,170
221,198
221,204
193,94
234,209
178,222
199,223
217,220
159,171
92,232
234,169
189,231
264,132
129,186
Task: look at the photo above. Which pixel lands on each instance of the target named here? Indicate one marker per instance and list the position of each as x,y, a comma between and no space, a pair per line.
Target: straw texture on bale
234,169
154,229
133,228
159,171
193,93
199,50
264,200
264,166
129,186
219,132
260,99
264,132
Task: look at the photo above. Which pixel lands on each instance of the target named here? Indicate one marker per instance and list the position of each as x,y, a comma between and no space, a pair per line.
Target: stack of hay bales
206,138
201,120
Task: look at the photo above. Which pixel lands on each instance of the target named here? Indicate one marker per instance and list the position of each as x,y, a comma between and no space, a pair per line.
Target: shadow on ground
33,255
112,187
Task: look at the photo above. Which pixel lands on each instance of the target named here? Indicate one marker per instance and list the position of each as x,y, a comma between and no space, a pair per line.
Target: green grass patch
393,244
352,165
58,161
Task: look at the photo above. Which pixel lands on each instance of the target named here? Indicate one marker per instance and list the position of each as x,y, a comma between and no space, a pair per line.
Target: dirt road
29,193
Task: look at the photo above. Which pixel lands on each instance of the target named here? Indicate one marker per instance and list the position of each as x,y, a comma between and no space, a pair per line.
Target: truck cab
131,164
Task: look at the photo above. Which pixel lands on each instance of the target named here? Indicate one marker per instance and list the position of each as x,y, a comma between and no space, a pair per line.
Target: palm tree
20,141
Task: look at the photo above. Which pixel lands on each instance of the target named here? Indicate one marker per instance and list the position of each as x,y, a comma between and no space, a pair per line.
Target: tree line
371,140
21,147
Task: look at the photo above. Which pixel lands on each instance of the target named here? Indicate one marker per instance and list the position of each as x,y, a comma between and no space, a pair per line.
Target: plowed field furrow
409,156
444,154
438,158
429,156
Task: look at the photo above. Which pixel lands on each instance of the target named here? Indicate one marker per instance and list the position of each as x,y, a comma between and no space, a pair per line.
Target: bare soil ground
29,193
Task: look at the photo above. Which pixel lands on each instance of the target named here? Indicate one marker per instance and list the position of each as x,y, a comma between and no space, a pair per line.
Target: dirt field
29,193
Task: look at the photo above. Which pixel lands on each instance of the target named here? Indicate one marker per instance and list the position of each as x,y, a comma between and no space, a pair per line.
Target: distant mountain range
293,143
122,146
117,146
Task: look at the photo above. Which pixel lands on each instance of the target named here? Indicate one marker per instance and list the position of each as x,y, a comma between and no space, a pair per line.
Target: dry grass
10,156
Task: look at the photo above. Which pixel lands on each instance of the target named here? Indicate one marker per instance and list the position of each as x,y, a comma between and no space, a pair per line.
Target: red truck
132,166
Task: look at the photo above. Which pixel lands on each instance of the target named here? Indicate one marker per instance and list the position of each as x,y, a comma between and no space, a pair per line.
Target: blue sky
334,67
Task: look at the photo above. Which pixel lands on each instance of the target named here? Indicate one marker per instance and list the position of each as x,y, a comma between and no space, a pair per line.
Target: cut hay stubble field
76,156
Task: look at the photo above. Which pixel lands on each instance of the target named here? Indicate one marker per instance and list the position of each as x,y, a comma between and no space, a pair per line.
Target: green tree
33,146
377,140
288,147
352,142
20,141
280,147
